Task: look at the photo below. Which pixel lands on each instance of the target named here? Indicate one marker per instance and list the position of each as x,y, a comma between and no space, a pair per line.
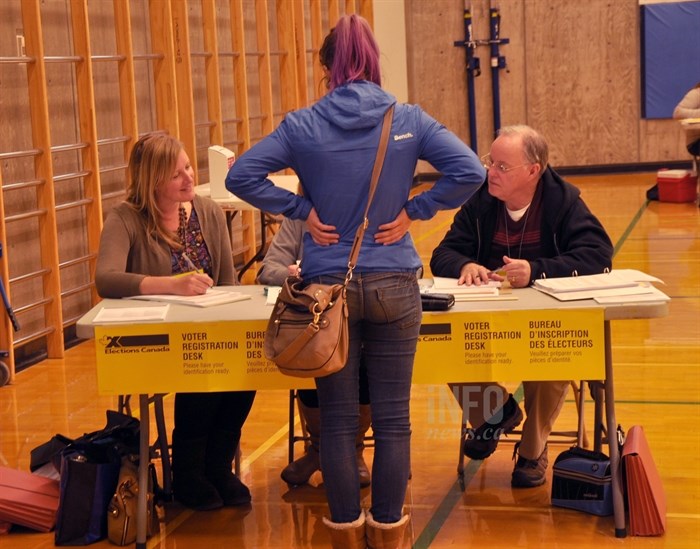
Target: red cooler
676,186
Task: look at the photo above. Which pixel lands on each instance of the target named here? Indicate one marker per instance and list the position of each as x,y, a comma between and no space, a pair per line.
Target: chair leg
579,398
162,444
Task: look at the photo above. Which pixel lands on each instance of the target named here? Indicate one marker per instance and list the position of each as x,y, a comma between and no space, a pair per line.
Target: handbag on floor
120,429
89,474
121,512
89,469
307,334
581,480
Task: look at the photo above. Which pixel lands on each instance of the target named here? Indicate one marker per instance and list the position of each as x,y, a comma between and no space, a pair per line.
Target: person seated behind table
689,107
279,262
525,223
161,231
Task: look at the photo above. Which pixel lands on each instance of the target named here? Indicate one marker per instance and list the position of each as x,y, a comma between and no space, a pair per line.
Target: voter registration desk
530,336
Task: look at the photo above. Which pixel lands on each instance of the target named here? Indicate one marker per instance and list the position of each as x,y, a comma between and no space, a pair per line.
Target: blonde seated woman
160,231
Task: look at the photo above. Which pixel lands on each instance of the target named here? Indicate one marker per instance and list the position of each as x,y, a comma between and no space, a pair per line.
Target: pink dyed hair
350,52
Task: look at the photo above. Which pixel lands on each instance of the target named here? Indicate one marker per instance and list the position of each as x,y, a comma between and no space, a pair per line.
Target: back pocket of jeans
400,304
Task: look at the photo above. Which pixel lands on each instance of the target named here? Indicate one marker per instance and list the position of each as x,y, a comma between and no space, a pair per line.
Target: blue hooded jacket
332,146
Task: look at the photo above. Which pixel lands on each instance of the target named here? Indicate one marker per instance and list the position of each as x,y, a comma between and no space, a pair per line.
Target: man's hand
473,273
392,232
516,271
322,234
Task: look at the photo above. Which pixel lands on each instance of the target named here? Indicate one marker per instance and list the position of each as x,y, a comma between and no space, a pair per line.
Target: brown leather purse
307,334
121,512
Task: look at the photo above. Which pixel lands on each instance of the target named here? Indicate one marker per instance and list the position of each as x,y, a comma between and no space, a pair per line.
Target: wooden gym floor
657,364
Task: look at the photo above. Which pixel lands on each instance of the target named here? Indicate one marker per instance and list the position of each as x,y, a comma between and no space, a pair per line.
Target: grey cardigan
286,248
126,256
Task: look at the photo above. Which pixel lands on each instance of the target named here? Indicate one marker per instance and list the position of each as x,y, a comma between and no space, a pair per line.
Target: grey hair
534,144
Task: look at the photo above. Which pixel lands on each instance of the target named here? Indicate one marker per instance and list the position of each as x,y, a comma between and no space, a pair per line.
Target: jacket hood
355,106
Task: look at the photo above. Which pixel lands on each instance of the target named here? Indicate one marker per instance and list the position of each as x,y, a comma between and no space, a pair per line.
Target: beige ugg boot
347,535
383,535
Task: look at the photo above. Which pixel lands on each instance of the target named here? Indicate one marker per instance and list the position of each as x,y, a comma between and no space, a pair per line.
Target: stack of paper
645,493
214,296
28,500
623,284
131,314
483,292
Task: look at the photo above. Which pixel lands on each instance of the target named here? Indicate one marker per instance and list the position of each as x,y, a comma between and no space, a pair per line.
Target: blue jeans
384,323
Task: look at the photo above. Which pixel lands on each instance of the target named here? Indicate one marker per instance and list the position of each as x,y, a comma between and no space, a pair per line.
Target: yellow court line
442,227
693,516
170,527
281,432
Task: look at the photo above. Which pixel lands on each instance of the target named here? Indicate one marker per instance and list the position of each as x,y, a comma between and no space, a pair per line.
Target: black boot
219,463
190,485
300,470
365,423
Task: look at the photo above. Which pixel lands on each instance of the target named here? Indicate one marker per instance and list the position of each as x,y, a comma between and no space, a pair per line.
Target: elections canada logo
436,332
151,343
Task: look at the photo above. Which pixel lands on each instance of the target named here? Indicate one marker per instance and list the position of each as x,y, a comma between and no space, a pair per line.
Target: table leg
292,437
458,392
260,252
597,390
144,458
611,421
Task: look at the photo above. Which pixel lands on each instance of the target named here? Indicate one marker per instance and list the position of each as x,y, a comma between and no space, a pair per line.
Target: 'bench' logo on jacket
403,136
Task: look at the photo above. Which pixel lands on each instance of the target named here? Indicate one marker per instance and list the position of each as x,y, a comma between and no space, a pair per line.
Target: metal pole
498,62
473,67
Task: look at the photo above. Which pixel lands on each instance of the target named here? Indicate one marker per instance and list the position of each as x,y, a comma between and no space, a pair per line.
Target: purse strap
376,171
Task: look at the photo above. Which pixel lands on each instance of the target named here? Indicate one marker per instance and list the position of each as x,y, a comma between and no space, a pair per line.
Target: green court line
451,498
656,402
630,227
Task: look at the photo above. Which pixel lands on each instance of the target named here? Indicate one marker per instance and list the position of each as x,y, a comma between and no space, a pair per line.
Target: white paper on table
449,286
213,296
653,295
640,289
272,293
130,314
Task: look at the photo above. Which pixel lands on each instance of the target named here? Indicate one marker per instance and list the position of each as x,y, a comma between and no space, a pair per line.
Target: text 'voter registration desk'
532,337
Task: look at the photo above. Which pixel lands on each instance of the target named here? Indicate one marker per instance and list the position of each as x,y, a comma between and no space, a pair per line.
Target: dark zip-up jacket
573,241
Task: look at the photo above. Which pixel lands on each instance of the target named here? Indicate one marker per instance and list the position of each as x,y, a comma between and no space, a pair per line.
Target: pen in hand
190,264
198,280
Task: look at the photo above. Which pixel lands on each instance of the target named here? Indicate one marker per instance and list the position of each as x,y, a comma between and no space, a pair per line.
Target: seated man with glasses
525,223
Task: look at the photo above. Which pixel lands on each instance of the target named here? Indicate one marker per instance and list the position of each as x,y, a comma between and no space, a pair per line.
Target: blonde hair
151,164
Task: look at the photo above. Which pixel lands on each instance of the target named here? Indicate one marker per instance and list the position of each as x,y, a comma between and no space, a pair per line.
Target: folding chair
578,436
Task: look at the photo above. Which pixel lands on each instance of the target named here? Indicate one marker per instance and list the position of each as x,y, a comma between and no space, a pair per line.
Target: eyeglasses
488,163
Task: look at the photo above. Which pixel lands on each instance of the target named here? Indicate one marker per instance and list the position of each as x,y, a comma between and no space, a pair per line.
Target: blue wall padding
670,36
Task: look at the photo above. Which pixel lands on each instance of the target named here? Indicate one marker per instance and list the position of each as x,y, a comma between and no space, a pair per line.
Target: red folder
645,494
28,500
